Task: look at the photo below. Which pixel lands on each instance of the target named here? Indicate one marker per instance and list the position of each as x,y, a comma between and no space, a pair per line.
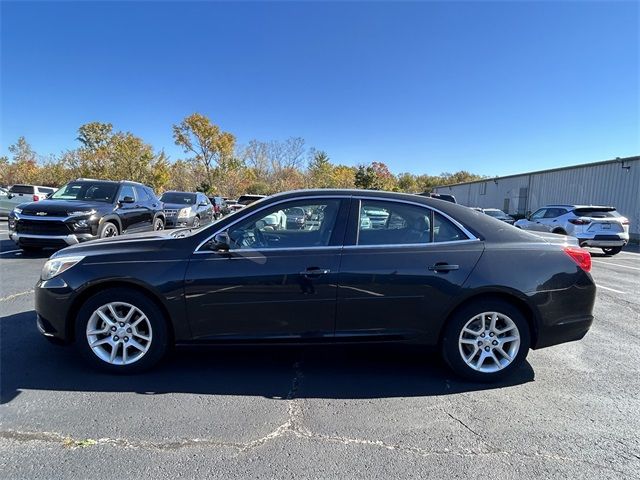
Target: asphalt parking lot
572,411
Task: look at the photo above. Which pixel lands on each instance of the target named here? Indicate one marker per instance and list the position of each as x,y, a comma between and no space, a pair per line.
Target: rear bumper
610,240
568,330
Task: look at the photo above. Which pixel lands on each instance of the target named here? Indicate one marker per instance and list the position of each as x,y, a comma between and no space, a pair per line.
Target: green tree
366,178
197,135
321,171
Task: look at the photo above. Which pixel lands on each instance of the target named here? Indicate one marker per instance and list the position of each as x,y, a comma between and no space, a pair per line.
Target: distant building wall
614,182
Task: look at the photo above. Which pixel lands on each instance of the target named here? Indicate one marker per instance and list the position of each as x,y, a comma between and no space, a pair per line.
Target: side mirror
220,242
127,200
10,196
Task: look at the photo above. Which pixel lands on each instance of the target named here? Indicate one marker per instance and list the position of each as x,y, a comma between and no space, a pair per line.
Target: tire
139,344
196,223
452,348
158,224
611,250
559,231
107,230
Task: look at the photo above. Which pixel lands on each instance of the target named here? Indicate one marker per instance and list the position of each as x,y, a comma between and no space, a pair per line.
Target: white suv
593,226
18,194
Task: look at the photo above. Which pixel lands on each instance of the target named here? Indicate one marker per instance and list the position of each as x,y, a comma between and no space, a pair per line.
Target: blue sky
491,87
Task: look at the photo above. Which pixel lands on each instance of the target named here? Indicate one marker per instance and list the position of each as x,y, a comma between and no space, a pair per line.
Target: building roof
570,167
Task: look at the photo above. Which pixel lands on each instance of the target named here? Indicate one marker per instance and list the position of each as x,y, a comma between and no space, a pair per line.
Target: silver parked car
497,213
593,226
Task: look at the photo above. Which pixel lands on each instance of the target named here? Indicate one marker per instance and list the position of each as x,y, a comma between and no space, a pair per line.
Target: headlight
184,212
56,266
80,224
81,213
17,210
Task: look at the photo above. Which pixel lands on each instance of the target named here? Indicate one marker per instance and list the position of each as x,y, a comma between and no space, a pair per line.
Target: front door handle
315,272
443,267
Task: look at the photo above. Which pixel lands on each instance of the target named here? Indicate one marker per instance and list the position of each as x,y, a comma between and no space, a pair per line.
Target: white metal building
612,182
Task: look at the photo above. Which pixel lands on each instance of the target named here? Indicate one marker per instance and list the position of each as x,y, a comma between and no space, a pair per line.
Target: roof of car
127,182
577,206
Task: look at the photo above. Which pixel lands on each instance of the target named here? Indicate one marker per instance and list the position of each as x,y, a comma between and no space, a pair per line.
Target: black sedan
439,274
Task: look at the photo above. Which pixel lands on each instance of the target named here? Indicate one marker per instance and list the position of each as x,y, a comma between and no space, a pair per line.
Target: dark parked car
248,198
185,209
440,196
441,275
296,218
86,210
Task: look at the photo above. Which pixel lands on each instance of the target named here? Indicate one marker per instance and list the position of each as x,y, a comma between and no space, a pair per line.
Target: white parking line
609,288
615,264
10,251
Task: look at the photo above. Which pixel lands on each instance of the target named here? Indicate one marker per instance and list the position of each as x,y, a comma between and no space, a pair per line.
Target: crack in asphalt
293,426
15,295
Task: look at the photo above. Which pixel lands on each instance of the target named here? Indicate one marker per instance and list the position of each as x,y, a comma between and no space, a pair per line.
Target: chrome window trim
471,237
313,197
411,245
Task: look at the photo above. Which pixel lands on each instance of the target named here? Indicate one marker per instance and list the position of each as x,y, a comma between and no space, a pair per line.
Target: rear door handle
443,267
315,272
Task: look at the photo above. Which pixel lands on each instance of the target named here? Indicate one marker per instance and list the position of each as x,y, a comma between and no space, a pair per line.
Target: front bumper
52,301
43,241
175,222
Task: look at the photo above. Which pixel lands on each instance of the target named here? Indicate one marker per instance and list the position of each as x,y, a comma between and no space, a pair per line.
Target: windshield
87,191
179,197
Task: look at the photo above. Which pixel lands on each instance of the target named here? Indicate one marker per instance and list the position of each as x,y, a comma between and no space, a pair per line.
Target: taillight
580,221
36,198
581,256
625,222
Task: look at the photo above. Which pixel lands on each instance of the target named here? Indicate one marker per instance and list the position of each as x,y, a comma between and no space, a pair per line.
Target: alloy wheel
119,333
489,342
159,224
110,230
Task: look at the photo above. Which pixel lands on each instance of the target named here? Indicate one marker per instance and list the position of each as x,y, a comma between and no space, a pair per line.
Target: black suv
84,210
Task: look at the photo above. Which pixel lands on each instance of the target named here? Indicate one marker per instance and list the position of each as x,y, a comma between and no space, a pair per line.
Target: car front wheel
158,224
486,341
121,331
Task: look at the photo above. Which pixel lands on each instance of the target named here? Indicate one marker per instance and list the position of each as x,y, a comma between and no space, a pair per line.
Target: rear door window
393,223
554,212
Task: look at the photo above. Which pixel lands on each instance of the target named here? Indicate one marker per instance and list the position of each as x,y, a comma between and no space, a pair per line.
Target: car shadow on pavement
30,362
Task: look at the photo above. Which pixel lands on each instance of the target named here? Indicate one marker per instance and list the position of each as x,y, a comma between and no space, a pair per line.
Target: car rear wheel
121,331
611,250
486,340
108,229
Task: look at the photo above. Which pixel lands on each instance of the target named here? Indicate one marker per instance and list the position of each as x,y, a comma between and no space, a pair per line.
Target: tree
407,183
321,171
196,134
95,135
366,178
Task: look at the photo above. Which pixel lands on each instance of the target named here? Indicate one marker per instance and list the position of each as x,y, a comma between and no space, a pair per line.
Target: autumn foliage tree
214,165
